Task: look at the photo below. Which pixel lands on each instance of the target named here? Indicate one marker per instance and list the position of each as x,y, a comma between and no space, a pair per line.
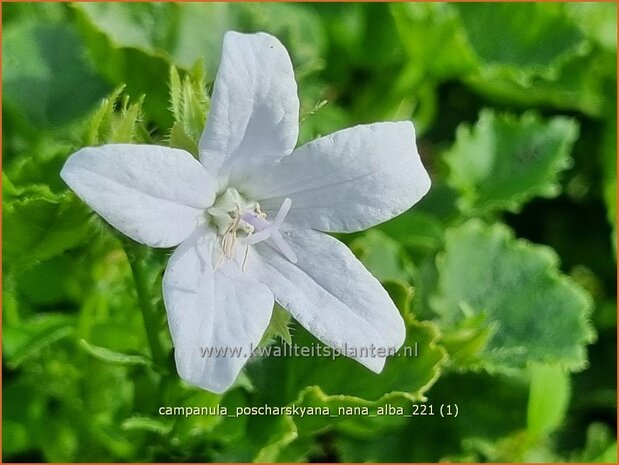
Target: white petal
331,294
254,110
347,181
155,195
222,310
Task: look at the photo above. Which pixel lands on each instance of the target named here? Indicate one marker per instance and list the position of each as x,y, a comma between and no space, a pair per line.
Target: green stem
136,255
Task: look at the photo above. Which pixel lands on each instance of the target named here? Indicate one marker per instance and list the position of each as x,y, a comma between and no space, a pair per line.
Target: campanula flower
250,218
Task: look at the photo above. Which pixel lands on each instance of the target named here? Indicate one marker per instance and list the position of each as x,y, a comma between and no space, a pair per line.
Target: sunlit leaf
503,161
539,315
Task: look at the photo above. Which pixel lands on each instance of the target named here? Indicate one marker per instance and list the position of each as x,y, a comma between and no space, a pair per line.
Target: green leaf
176,93
245,438
279,326
110,356
549,398
280,438
504,161
116,120
537,314
39,226
135,68
581,84
538,34
433,439
142,423
537,54
189,105
402,294
347,413
419,232
44,62
382,256
28,339
411,371
432,37
182,33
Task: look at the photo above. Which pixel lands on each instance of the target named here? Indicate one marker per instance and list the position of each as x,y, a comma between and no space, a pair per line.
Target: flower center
239,220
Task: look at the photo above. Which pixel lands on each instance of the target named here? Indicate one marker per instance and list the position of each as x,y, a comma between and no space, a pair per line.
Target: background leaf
539,314
504,161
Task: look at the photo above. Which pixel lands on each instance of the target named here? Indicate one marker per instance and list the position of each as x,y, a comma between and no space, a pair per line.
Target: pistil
232,215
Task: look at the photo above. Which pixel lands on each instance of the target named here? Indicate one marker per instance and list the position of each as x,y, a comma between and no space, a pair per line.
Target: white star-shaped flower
250,216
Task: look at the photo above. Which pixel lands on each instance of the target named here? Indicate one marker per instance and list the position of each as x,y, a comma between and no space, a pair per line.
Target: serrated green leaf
402,295
539,314
39,225
504,161
581,83
536,54
411,371
110,356
549,396
347,412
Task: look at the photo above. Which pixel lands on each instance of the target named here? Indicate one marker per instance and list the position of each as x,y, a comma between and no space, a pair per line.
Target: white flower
251,216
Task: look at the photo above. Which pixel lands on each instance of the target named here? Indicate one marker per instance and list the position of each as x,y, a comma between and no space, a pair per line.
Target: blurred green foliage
505,273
